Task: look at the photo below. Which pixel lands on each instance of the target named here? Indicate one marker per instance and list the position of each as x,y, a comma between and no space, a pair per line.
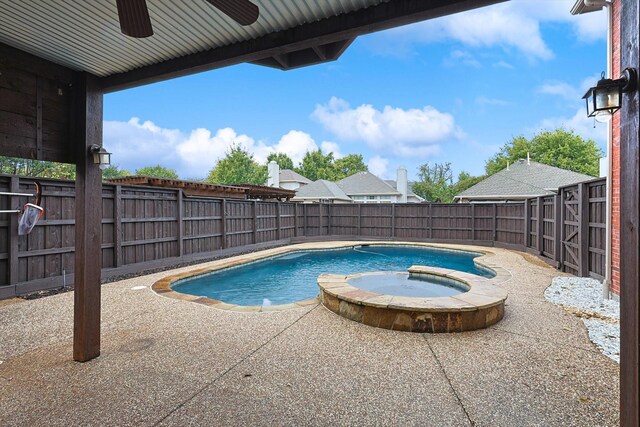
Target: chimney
273,179
402,185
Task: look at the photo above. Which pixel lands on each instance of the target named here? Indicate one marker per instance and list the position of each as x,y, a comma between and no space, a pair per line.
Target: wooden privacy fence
146,228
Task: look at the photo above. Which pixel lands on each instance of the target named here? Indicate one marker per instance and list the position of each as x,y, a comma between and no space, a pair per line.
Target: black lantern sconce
606,97
101,157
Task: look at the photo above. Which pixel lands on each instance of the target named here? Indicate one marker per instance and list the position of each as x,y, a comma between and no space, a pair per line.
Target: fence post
278,234
13,232
540,224
329,218
295,219
180,216
304,216
117,225
557,228
320,219
223,218
393,220
430,219
495,222
254,226
583,228
473,221
527,222
359,219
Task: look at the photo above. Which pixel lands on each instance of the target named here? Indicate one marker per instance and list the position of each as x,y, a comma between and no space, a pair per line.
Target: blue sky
452,89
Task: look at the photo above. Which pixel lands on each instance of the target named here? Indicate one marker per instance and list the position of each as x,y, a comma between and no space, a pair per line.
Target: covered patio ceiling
193,36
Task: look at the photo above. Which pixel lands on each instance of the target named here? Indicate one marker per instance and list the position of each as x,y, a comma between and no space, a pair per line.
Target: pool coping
163,286
482,305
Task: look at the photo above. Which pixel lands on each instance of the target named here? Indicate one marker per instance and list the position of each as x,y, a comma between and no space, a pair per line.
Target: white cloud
562,89
568,91
402,132
331,147
510,25
378,166
135,144
580,123
503,64
462,57
295,144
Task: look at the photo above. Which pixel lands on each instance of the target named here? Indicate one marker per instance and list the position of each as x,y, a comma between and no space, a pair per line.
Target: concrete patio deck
175,363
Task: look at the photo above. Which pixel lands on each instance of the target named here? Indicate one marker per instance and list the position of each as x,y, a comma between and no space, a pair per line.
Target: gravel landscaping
582,296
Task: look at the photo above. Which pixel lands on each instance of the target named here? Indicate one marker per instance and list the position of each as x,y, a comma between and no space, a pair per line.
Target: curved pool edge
164,288
480,307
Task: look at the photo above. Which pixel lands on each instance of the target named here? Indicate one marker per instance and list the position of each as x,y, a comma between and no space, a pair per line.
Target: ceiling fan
135,21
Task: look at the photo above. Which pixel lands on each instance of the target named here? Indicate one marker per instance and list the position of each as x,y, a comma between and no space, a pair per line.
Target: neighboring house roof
410,192
524,179
321,189
366,184
287,175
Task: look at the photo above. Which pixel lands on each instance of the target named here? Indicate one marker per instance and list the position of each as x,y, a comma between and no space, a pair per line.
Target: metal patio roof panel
86,35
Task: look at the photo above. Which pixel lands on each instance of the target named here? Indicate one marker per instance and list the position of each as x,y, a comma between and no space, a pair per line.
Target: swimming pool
293,277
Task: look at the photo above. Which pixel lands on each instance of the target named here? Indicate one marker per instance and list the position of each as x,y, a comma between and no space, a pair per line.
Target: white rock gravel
582,296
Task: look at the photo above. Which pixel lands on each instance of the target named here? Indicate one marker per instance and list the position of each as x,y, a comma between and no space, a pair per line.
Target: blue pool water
293,277
404,285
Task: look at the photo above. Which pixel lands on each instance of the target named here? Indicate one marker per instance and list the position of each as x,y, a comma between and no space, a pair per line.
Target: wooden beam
527,222
180,222
330,30
630,223
87,130
557,228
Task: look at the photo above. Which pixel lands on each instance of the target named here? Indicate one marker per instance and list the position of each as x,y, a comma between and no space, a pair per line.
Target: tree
237,167
36,168
349,165
559,148
435,183
157,172
466,180
316,165
283,161
114,171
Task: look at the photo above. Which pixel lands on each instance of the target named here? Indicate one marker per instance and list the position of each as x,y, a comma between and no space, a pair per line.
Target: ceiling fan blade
134,18
242,11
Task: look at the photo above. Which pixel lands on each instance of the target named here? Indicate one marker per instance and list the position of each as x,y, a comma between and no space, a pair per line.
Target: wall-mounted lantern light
605,98
101,157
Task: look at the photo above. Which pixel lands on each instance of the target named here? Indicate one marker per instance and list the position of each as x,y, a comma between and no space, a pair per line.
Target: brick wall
615,169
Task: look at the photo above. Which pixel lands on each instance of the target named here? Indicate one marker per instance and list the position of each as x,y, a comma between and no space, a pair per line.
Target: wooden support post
360,219
180,220
223,229
561,231
557,228
629,116
278,234
87,130
295,219
583,229
540,224
527,223
117,225
393,220
329,218
254,213
13,232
